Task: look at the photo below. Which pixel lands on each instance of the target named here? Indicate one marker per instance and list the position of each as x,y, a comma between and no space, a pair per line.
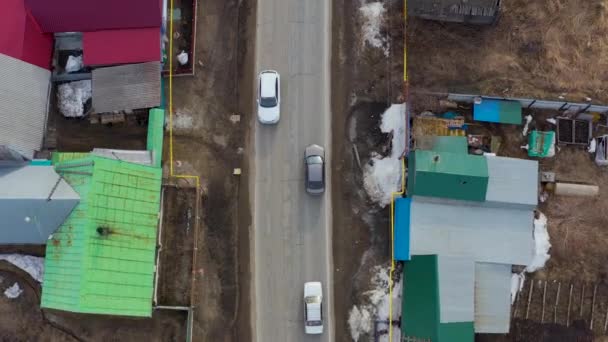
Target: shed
500,111
24,99
102,258
492,298
34,202
459,11
425,303
126,87
21,37
470,229
122,46
447,175
512,182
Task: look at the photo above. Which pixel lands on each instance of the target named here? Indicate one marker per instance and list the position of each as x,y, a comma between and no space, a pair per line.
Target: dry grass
542,49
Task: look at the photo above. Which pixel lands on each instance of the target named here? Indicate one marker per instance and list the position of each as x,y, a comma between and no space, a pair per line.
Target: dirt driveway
211,134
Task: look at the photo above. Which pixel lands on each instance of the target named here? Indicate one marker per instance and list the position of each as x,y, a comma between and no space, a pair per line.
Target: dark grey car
314,163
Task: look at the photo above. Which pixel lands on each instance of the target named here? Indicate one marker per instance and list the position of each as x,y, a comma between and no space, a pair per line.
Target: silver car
314,163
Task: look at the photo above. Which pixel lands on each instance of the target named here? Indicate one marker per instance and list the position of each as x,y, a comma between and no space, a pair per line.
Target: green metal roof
448,175
102,259
453,144
156,124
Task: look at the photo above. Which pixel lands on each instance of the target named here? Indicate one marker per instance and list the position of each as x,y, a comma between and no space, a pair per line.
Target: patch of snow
182,120
377,303
13,291
73,64
527,125
383,176
30,264
517,284
541,244
373,18
72,96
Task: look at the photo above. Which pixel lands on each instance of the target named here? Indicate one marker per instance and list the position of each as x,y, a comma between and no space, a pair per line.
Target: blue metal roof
402,228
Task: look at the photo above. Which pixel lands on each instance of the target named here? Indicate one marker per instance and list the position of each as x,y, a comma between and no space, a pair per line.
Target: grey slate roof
492,298
459,228
126,87
24,98
34,202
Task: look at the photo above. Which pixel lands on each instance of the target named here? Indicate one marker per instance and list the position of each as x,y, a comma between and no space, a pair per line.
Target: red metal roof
94,15
121,46
21,37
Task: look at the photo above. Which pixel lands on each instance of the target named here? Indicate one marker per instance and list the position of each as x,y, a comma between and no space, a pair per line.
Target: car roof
315,172
268,80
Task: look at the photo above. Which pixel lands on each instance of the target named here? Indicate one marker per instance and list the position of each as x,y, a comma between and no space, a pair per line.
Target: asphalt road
292,230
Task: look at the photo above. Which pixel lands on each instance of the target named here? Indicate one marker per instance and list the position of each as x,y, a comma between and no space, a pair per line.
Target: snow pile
527,125
13,291
517,284
361,318
541,244
73,64
182,120
30,264
373,19
382,176
72,97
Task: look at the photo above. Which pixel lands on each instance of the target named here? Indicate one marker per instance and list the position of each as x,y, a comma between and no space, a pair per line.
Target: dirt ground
364,83
211,134
539,49
177,240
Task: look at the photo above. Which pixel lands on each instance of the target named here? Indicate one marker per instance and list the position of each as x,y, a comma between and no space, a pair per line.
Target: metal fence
532,103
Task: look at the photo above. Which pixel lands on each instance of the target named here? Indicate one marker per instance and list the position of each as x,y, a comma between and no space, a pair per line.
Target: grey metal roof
458,228
512,182
139,157
34,201
492,298
126,87
24,98
456,289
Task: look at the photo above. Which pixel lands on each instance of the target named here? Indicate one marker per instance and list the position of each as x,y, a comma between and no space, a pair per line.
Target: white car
269,97
313,308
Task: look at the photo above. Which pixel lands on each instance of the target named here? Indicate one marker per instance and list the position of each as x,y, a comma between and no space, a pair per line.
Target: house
460,240
102,259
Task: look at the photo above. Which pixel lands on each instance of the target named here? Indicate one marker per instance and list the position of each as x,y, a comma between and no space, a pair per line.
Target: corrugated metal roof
458,228
501,111
34,201
512,181
492,298
102,259
471,11
127,46
138,157
126,87
402,229
156,131
447,175
456,289
420,308
21,37
94,15
24,94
